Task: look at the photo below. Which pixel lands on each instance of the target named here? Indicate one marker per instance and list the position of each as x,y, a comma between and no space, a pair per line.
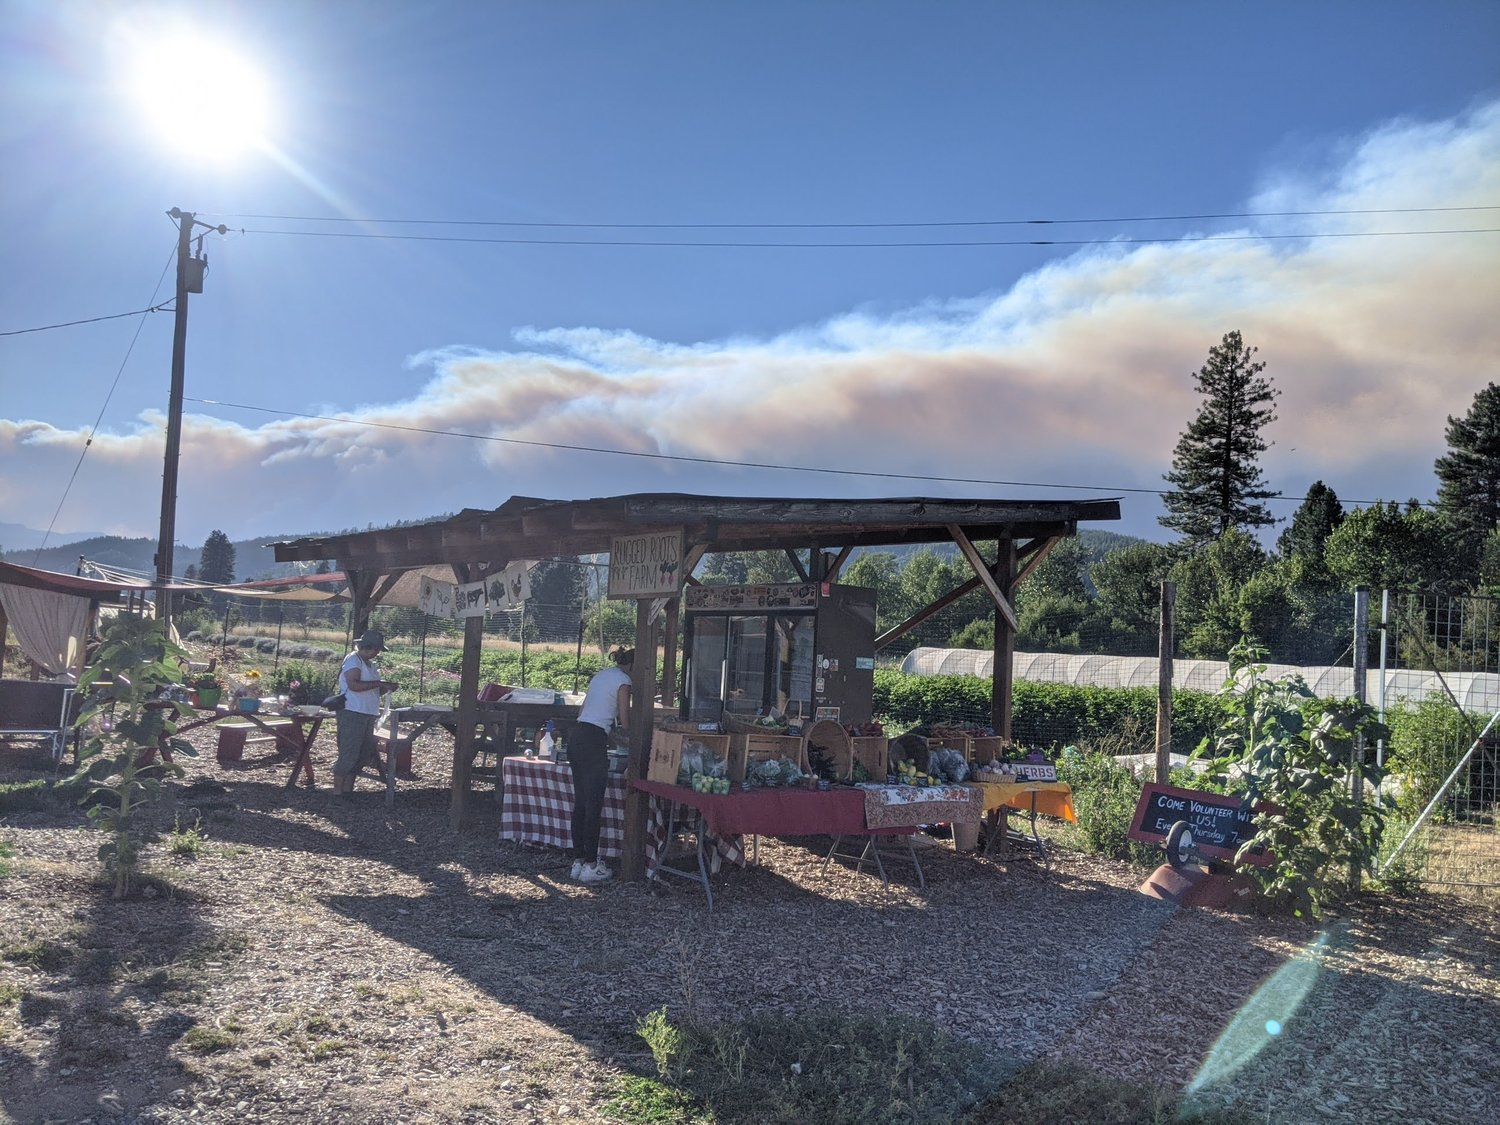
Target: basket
734,724
835,741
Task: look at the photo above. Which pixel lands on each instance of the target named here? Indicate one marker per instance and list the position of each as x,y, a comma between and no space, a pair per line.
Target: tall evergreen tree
1469,473
1312,523
1215,478
217,567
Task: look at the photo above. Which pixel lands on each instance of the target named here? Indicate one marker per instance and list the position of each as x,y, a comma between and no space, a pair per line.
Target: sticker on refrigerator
864,663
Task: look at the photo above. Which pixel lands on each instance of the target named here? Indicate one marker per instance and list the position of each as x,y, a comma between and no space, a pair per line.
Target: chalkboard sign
1220,824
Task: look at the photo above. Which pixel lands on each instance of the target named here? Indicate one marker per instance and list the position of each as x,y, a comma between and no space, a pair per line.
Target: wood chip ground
333,960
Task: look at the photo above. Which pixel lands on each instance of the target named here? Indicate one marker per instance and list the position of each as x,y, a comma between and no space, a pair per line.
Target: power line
859,226
90,320
717,461
912,244
89,441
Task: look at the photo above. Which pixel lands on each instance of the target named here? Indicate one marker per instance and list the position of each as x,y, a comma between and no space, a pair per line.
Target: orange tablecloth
1053,798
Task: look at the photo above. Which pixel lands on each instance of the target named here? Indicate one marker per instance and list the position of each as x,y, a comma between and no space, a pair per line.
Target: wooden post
642,706
1361,690
669,653
1165,643
1002,677
4,627
468,715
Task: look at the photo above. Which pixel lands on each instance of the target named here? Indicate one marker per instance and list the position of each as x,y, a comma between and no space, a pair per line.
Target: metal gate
1439,664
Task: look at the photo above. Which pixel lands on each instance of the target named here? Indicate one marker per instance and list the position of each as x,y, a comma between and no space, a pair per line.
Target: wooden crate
988,748
666,752
745,749
872,751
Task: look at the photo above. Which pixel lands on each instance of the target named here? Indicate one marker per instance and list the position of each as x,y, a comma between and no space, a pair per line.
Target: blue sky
513,138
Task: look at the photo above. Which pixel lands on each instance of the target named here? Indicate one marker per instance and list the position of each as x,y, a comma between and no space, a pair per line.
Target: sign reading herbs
1220,823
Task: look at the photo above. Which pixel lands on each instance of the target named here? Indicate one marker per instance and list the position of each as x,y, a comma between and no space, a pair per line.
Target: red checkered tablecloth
537,806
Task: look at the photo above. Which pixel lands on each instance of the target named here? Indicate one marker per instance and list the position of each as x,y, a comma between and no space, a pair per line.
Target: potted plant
207,689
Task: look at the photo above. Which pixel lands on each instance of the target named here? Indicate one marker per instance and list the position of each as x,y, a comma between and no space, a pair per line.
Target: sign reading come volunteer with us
646,565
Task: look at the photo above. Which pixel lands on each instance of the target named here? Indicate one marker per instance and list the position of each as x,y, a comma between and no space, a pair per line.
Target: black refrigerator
802,650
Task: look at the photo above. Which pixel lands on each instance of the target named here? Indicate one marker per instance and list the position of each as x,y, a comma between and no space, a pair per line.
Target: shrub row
1045,714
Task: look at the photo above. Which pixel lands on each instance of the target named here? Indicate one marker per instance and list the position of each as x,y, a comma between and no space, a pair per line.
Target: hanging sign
436,598
469,600
776,595
508,588
646,565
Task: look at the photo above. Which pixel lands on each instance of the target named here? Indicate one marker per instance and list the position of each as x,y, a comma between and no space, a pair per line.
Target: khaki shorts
356,734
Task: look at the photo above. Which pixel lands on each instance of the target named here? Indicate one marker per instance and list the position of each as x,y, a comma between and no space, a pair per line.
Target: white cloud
1078,374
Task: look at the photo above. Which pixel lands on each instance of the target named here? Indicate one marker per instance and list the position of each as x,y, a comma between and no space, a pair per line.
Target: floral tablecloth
908,806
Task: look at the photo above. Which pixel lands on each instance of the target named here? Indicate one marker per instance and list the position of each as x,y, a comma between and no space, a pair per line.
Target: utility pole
190,271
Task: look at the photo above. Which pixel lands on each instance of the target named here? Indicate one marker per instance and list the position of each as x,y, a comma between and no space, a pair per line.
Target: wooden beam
1038,555
923,614
642,693
1001,599
1002,675
831,574
468,708
796,564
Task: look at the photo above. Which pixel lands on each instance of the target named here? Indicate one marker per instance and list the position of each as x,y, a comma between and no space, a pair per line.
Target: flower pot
207,697
249,705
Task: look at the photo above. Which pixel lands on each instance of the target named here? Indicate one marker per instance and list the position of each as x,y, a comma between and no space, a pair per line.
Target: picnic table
294,732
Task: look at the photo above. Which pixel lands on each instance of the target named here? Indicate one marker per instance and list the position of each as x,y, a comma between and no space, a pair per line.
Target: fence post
1165,643
1361,692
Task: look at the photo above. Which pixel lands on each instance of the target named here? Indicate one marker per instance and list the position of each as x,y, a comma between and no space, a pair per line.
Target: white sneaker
595,873
577,871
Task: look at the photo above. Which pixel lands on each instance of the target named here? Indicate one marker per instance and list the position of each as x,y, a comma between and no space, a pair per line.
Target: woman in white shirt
606,708
361,685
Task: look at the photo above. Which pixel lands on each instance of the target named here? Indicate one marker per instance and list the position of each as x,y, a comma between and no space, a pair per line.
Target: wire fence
1434,668
1445,742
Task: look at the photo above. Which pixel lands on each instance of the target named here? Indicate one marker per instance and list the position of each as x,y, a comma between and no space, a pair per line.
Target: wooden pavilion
818,537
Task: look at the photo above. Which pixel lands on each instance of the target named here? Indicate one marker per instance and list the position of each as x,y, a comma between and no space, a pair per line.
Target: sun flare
199,96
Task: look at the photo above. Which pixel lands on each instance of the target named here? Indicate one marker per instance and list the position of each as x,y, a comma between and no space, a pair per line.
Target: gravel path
339,959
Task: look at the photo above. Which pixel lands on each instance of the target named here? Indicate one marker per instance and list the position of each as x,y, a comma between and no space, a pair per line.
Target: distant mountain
18,537
253,558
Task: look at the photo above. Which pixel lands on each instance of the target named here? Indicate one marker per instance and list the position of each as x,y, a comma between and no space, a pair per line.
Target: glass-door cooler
802,650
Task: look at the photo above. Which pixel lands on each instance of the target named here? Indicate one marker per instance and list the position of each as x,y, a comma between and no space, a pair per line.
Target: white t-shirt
601,704
361,702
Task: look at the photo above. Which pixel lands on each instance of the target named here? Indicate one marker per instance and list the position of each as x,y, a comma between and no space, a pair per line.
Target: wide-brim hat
373,638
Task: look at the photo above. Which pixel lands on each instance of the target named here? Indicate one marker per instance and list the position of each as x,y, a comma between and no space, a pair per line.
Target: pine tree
1215,478
1469,473
217,567
1312,523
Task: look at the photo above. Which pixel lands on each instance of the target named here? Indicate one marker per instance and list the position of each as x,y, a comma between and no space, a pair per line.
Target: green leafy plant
186,842
206,681
127,721
1297,757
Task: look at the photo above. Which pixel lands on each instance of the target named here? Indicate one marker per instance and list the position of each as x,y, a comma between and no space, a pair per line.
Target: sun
199,96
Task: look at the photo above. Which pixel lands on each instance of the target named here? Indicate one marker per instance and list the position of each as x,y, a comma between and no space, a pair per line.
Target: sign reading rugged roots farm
645,566
1220,823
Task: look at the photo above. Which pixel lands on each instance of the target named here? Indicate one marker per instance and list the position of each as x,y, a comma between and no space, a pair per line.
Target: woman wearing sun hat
361,686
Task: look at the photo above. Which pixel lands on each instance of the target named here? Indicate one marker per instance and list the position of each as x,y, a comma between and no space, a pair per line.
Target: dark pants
588,754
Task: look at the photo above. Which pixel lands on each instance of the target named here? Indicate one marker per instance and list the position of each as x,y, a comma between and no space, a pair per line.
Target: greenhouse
1475,691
